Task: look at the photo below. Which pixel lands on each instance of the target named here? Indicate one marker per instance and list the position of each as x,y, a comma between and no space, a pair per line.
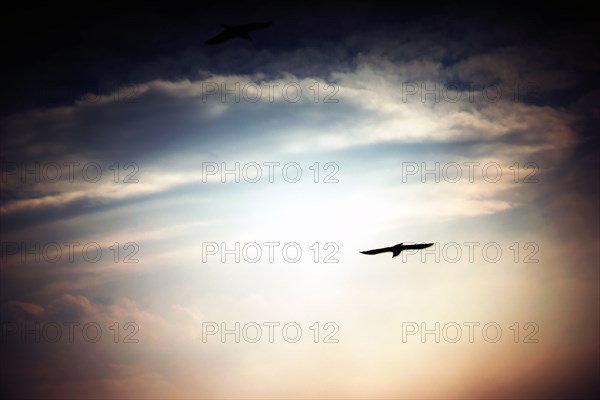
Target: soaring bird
397,249
239,31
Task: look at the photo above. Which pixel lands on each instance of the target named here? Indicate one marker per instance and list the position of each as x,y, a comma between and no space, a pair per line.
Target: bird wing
220,38
416,246
377,251
254,26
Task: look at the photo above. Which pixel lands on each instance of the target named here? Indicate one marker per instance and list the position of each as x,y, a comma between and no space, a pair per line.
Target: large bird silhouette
397,249
239,31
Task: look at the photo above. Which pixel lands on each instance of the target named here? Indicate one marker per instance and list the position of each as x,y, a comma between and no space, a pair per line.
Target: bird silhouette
397,249
239,31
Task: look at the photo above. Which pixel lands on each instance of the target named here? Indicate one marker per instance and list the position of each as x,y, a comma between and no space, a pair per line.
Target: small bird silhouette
397,249
239,31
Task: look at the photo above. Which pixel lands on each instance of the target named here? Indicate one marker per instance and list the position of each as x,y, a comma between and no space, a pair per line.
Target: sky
181,220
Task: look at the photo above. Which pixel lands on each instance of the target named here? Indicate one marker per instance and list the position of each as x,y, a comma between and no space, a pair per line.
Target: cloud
373,108
81,344
187,107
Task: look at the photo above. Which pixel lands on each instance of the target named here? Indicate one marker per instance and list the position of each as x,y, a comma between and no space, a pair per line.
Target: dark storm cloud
59,57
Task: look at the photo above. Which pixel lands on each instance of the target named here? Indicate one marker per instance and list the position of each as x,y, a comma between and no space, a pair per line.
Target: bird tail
396,253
